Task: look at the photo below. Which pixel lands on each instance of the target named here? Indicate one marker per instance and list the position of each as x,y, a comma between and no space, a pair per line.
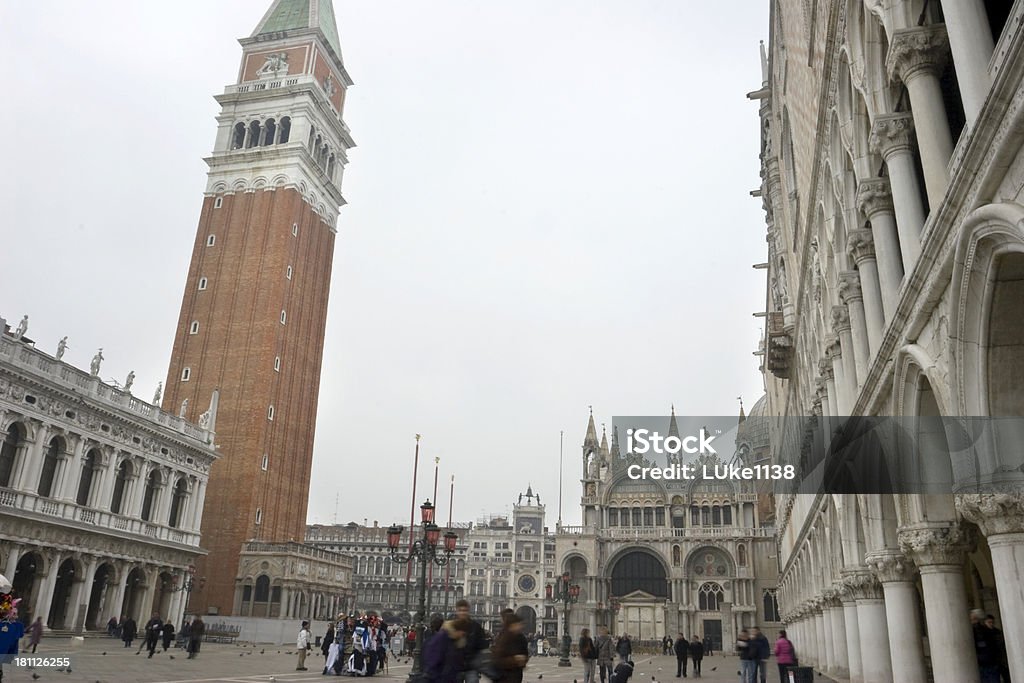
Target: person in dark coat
761,650
167,633
696,649
152,633
708,650
624,647
195,637
511,652
128,631
588,653
605,653
622,672
184,634
112,627
476,643
682,649
442,656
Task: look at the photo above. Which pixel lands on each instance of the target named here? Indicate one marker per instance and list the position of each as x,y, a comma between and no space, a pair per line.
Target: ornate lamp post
188,584
426,551
566,594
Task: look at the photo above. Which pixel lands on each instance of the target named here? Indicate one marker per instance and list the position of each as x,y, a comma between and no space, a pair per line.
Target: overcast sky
547,208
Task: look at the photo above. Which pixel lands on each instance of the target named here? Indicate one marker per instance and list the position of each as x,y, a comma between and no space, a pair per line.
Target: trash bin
800,674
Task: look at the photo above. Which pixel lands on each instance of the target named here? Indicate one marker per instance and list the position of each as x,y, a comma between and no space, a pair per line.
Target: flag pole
412,522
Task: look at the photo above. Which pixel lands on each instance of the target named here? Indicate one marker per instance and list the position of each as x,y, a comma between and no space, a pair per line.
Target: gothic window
710,597
659,516
378,568
694,515
178,503
254,135
741,555
362,565
262,588
316,148
771,606
124,473
648,516
152,484
677,556
286,129
238,139
716,515
7,452
705,515
85,481
613,516
269,131
246,593
637,515
49,468
330,166
727,515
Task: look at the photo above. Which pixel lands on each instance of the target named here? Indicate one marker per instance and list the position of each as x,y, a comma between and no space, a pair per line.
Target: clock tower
254,309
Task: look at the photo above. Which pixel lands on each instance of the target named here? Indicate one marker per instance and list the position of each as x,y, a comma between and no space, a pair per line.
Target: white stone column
970,40
114,608
834,352
875,200
862,250
44,598
17,550
851,295
834,614
917,56
897,576
166,492
939,553
80,593
853,653
107,471
200,502
69,471
825,623
876,660
843,328
27,467
892,136
1001,518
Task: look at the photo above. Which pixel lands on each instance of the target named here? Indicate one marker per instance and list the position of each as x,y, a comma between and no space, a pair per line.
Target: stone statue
62,346
94,367
129,381
276,65
184,407
204,420
158,394
22,328
329,86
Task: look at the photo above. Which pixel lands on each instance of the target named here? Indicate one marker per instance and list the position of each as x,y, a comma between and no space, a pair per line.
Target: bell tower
255,303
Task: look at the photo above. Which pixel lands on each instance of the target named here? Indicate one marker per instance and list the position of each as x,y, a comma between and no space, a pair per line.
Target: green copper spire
293,15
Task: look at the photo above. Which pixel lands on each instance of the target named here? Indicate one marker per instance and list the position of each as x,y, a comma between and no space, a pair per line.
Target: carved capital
840,319
825,367
891,566
849,287
994,513
874,196
833,350
892,133
917,51
821,389
861,245
830,598
941,545
861,584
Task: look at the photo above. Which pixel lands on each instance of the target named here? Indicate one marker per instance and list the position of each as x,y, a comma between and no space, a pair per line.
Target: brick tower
255,304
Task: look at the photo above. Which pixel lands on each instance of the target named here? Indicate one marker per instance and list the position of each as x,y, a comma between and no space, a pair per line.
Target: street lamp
188,584
426,551
567,594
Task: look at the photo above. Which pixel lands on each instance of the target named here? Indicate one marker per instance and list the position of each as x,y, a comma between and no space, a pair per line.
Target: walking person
302,645
128,631
112,627
476,643
167,633
511,651
748,663
682,650
696,649
708,649
588,653
152,633
785,655
325,647
35,633
605,653
184,634
624,647
195,637
762,650
443,655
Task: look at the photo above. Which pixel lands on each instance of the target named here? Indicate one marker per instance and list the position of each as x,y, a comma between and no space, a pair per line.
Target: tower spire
742,414
591,438
673,428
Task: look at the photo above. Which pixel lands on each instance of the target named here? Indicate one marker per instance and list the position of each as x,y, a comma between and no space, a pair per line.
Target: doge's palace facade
101,494
893,187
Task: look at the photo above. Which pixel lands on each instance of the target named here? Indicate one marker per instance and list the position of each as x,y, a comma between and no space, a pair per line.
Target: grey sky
548,208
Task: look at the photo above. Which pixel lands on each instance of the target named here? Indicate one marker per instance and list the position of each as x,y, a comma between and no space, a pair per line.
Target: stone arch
101,594
14,440
68,572
721,564
30,566
219,187
638,568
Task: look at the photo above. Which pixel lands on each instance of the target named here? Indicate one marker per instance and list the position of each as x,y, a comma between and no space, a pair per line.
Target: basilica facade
891,163
659,557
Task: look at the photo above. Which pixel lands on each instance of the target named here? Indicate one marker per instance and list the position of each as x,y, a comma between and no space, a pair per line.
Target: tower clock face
526,583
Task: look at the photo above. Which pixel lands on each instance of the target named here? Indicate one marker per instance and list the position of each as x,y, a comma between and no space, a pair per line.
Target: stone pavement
261,663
